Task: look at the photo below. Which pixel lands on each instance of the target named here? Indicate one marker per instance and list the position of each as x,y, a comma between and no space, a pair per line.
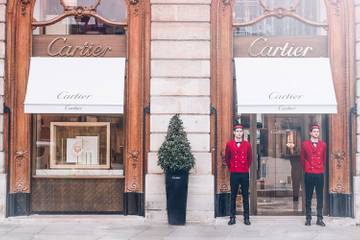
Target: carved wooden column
222,92
19,144
341,25
134,112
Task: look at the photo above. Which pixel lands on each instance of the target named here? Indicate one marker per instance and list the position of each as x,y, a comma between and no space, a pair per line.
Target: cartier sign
60,48
261,47
298,47
278,96
79,46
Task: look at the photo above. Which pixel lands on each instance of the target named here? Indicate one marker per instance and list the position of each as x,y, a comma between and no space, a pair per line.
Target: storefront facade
274,111
75,119
157,58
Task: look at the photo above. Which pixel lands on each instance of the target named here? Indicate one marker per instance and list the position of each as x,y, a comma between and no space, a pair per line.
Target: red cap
314,126
238,126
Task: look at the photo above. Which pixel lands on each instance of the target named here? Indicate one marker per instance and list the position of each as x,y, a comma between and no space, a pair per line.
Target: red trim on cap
238,126
314,126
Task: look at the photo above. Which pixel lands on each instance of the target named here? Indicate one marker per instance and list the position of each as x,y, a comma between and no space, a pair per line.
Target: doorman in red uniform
238,157
313,160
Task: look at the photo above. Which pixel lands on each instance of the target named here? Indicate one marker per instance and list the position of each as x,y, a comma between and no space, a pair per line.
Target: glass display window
78,142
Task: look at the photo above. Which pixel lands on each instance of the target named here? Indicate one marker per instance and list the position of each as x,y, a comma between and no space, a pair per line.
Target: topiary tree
175,152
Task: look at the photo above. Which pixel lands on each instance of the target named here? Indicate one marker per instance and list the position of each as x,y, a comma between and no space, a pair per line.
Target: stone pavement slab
114,227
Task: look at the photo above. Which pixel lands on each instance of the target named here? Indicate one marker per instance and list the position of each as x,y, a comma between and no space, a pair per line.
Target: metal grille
77,195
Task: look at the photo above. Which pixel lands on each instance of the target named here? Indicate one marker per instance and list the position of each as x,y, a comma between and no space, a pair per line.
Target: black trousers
241,179
314,181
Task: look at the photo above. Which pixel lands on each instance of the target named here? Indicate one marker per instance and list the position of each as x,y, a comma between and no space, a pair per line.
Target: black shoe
247,221
320,222
308,222
232,221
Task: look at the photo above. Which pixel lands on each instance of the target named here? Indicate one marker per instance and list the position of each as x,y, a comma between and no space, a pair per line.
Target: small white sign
83,150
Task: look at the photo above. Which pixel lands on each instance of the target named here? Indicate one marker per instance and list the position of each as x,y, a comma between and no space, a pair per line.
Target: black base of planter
134,203
340,205
18,204
176,196
222,204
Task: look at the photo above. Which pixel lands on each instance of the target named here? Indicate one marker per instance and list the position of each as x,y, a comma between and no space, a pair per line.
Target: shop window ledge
79,173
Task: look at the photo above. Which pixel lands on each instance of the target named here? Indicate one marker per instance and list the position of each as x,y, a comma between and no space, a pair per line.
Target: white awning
75,85
284,85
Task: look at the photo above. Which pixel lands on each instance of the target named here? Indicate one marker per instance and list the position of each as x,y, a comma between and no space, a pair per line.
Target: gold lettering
251,52
98,51
306,50
106,49
261,47
85,50
266,51
50,47
66,51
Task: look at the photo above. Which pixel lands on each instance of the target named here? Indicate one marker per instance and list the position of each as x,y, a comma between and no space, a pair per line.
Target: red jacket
238,159
312,158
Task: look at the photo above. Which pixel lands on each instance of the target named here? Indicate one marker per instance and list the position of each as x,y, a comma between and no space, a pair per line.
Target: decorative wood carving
280,12
339,157
339,187
24,4
336,4
134,157
20,185
226,2
134,2
21,158
78,12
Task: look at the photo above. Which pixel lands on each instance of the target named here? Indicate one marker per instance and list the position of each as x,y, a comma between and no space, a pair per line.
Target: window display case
80,145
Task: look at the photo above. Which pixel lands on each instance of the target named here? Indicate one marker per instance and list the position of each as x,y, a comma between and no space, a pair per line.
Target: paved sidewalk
96,227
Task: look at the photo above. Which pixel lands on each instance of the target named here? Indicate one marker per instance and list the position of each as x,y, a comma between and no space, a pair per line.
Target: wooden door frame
18,144
341,42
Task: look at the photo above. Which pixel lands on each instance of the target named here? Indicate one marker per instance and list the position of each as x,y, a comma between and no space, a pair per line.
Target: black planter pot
176,196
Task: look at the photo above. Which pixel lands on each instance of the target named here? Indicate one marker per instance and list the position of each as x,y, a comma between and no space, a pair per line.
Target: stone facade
180,83
2,67
357,175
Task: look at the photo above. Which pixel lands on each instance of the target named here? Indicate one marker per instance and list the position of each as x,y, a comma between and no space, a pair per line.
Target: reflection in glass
78,141
279,174
113,10
246,10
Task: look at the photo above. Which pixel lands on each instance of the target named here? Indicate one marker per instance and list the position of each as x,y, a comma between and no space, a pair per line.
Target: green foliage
175,152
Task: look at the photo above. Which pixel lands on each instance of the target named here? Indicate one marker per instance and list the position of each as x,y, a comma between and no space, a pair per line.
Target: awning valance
75,85
284,85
